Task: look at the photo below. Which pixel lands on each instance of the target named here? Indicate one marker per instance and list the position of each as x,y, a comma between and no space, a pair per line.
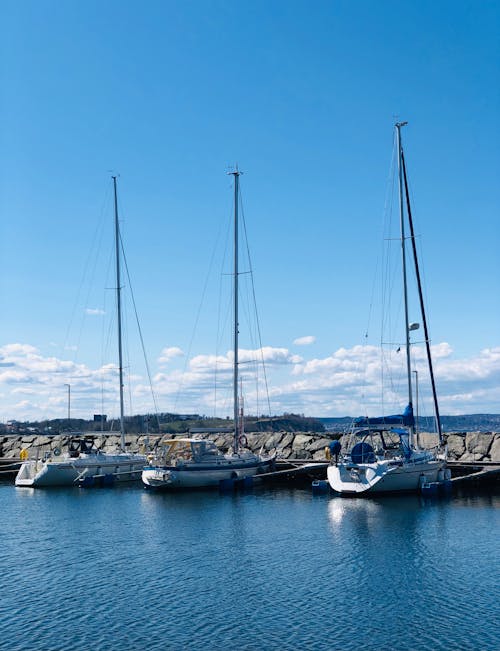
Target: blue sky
303,96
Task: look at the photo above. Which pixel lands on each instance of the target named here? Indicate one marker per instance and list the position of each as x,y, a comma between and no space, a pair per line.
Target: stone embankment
471,446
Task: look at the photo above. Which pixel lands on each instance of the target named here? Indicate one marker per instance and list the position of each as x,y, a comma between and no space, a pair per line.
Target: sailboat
196,463
84,464
382,454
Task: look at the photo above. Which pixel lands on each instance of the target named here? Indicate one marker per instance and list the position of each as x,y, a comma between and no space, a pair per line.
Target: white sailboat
381,455
83,463
194,463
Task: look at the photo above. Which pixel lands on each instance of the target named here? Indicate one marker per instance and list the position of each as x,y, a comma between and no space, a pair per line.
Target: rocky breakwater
470,446
287,445
474,446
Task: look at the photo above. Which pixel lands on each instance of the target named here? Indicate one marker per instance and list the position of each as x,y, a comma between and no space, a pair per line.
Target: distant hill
182,423
465,423
166,423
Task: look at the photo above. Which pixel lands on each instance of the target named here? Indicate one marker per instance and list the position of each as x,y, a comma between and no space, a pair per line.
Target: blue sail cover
406,418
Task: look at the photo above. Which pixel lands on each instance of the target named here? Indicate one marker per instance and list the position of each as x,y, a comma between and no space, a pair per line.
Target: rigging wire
255,304
124,317
95,247
198,314
382,275
389,317
148,370
222,324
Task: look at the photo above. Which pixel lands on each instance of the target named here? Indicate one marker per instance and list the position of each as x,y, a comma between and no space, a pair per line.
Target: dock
9,468
294,471
474,471
302,472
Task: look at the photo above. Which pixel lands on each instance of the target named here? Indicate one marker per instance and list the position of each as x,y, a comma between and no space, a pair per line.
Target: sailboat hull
68,471
200,475
357,479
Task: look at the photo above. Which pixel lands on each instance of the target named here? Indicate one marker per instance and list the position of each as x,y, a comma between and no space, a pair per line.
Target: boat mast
119,315
422,307
405,284
236,175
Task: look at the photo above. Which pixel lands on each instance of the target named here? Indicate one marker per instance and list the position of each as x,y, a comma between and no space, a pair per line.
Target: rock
42,440
286,453
456,446
286,441
478,444
301,441
300,453
259,440
319,455
224,441
319,445
11,443
495,449
273,441
254,441
470,456
12,454
428,439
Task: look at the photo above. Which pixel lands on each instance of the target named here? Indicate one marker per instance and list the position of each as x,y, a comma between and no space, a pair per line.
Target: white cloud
167,354
304,341
266,354
17,349
94,311
346,382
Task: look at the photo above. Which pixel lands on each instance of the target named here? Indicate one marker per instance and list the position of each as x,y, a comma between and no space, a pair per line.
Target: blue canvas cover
406,418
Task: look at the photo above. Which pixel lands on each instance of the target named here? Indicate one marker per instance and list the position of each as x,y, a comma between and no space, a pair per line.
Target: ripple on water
126,569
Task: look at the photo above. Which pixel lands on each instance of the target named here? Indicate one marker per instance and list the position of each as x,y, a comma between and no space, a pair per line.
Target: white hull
199,475
68,471
382,477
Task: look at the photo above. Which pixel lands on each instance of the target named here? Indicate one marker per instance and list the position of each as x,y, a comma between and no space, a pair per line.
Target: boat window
211,448
177,450
198,448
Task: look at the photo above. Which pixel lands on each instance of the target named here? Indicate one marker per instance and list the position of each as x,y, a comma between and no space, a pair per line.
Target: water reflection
340,508
275,569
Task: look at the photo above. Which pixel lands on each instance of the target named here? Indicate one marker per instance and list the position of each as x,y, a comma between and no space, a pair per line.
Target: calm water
281,570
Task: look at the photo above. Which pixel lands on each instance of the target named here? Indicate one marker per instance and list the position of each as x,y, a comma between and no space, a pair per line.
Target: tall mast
119,315
236,175
405,284
422,307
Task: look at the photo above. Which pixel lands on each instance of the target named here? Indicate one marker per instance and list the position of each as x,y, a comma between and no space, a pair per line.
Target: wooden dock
474,471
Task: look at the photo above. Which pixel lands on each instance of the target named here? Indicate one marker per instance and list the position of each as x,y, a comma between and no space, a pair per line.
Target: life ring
242,440
23,455
56,452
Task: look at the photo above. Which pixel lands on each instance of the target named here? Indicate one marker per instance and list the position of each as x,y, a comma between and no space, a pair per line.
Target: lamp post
69,404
